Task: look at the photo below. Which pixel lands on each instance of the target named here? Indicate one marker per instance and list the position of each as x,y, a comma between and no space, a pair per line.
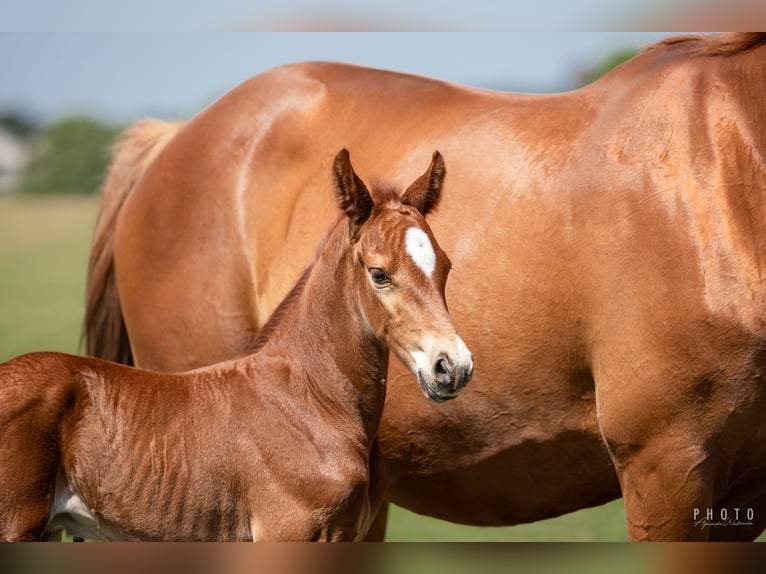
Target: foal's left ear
351,194
424,193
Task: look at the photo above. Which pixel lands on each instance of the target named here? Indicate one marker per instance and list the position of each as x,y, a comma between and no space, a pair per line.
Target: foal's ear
351,194
424,193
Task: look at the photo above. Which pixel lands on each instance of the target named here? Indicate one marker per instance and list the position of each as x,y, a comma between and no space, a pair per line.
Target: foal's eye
379,277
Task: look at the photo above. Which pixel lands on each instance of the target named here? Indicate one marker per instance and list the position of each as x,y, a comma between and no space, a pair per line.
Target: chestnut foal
278,445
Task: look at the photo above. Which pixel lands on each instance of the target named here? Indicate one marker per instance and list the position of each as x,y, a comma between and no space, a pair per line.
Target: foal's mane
383,193
718,45
274,320
266,332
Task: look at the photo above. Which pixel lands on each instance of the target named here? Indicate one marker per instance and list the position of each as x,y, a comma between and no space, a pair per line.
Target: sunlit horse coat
609,255
277,445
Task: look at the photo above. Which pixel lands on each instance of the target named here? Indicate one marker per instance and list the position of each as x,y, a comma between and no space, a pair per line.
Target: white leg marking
71,512
420,249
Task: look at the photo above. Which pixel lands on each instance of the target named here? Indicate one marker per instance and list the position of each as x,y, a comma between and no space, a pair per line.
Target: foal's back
156,453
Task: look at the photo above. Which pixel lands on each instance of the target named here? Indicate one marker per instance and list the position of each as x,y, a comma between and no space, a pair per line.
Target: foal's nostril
443,371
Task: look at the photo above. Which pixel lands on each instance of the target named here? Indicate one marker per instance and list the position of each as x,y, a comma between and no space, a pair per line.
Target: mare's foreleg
378,506
659,452
377,531
663,481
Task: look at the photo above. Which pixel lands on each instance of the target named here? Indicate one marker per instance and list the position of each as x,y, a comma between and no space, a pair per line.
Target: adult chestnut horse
279,445
609,247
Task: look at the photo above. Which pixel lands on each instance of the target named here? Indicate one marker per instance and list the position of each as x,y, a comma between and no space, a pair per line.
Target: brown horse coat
278,445
608,248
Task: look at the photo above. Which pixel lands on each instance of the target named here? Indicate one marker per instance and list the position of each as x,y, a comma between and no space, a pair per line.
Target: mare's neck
343,365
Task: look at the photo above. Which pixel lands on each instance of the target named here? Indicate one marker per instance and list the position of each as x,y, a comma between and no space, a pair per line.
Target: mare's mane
716,45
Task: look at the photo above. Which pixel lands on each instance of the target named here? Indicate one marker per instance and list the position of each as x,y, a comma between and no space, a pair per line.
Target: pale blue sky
122,76
123,60
421,15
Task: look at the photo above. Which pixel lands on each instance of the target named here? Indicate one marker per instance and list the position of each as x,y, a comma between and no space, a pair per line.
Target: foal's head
400,273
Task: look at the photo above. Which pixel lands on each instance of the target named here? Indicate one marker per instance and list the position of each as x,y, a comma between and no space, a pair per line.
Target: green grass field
44,244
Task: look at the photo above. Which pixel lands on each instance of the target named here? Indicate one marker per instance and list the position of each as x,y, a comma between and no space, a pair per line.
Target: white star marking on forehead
419,247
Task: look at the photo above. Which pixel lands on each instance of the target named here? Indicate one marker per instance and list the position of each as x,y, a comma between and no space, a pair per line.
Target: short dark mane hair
728,44
383,191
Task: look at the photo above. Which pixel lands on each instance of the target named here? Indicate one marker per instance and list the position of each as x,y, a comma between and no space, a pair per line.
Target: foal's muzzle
448,374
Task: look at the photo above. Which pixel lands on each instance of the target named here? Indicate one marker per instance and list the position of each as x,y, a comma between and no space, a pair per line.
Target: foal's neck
344,364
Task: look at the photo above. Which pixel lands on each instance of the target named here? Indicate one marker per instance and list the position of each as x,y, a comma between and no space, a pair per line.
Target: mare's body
609,272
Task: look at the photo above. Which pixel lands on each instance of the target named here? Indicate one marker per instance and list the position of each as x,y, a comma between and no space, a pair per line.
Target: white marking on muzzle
419,247
432,347
463,354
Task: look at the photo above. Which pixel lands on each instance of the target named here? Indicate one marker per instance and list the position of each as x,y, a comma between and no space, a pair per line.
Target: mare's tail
104,327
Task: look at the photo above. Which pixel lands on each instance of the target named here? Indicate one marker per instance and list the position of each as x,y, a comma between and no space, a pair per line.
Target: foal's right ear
425,191
351,194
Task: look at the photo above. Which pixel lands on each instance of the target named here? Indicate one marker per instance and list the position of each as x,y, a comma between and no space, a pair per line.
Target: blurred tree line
69,155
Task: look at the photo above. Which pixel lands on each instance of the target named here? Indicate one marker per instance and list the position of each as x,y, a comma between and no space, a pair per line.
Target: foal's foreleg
25,514
34,394
27,481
